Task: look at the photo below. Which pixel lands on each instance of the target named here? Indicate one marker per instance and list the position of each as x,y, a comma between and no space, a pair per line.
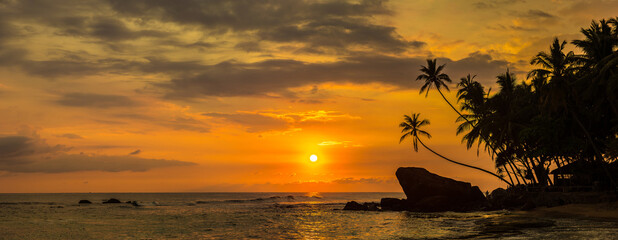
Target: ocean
265,216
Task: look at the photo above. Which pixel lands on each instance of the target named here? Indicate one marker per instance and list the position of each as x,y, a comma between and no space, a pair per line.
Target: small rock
393,204
353,205
371,206
84,201
112,200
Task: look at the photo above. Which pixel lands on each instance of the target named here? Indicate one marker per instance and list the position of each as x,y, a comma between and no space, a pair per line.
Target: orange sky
160,96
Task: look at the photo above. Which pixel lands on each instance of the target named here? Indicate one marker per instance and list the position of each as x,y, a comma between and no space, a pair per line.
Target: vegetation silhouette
565,112
411,128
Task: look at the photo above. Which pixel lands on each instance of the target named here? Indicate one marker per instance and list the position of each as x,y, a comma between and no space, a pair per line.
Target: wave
289,198
28,203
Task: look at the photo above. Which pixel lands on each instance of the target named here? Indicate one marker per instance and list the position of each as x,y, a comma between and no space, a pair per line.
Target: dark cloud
81,162
483,4
70,136
320,25
174,122
539,14
32,154
244,79
310,101
248,46
342,27
340,34
103,28
246,14
13,148
482,65
276,76
252,122
92,100
138,151
60,67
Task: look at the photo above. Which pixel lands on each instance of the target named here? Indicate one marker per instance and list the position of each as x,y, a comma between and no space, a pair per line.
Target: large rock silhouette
428,192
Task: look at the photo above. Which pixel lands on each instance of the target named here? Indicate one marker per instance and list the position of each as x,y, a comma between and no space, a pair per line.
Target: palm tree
599,42
556,69
434,77
411,127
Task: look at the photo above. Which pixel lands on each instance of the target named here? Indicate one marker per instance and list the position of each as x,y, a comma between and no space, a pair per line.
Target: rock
428,192
290,197
372,206
84,201
512,198
353,205
112,200
393,204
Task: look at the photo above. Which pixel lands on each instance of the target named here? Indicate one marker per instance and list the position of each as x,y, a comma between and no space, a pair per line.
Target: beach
598,211
277,216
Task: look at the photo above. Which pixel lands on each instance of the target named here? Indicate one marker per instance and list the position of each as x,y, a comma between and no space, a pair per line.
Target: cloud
70,136
92,100
15,148
484,4
311,116
330,143
534,13
32,154
253,122
275,120
337,25
176,121
248,46
365,180
340,34
138,151
228,79
103,28
483,65
246,15
82,162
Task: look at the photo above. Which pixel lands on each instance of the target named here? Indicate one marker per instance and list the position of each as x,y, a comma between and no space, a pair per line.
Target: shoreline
607,211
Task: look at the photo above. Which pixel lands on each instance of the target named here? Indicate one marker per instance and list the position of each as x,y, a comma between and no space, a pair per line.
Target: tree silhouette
411,127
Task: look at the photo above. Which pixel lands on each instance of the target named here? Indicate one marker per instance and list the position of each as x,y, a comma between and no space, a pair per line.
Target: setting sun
313,158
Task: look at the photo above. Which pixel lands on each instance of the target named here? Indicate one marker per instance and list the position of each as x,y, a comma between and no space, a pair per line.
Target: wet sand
598,211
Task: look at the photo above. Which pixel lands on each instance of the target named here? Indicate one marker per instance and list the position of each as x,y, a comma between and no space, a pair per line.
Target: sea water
260,216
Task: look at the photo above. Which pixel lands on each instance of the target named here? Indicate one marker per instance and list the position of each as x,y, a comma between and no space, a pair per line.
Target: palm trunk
594,147
462,164
473,125
454,109
509,175
514,173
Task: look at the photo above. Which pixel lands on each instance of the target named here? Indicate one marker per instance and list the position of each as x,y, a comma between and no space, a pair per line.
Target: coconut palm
434,77
600,41
411,127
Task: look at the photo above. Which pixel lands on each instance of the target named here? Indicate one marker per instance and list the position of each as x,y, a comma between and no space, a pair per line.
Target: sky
188,95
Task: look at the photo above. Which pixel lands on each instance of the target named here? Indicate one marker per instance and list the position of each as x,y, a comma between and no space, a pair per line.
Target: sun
313,158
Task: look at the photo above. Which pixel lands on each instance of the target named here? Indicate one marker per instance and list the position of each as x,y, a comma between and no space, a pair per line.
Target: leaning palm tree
411,127
434,77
